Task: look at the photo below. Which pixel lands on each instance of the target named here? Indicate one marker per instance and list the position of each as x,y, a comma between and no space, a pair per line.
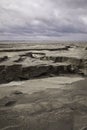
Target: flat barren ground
43,86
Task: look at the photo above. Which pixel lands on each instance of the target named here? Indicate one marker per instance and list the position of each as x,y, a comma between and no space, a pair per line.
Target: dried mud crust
40,61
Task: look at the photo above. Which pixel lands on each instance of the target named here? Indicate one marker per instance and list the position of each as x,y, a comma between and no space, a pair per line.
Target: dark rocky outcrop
73,60
18,72
41,61
12,72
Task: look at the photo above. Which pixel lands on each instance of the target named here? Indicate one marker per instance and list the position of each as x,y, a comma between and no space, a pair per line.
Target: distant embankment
31,49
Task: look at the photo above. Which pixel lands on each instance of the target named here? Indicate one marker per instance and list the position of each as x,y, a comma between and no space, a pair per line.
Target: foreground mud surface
43,87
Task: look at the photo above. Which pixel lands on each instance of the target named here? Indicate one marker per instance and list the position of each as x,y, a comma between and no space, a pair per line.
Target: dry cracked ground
43,86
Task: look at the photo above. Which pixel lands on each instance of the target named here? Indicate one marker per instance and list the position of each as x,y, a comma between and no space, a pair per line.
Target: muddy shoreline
43,88
59,108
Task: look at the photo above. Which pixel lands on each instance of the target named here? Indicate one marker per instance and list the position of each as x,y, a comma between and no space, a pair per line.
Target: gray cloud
40,19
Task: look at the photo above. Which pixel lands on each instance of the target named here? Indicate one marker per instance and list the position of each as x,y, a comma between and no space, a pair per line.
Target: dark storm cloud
43,19
77,3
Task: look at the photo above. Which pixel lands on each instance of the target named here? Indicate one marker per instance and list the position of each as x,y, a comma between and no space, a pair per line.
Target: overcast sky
43,19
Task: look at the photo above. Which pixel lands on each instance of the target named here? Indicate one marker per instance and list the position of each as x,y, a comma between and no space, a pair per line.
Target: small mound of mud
4,58
10,103
17,92
85,128
20,59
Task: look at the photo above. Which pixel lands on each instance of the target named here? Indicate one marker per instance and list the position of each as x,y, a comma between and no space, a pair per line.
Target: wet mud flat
57,107
43,87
